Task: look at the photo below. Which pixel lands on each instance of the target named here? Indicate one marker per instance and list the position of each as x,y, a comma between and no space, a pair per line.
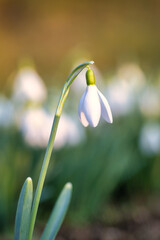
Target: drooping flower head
93,104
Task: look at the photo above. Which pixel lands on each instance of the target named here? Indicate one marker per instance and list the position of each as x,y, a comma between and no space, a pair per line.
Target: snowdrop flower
121,97
124,89
64,134
132,75
93,104
29,86
32,127
36,135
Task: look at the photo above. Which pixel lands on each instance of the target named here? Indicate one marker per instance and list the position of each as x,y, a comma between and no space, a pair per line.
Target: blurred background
115,169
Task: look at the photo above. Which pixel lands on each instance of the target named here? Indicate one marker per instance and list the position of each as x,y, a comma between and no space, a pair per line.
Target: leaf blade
58,213
23,211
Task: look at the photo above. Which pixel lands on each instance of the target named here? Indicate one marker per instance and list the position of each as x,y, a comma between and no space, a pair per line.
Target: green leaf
58,213
23,211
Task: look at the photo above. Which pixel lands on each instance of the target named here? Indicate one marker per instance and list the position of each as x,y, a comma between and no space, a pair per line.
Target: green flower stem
48,153
42,176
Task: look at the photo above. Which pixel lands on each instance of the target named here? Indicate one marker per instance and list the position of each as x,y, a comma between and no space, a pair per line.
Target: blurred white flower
93,104
36,126
29,86
149,140
149,101
6,112
69,132
120,97
124,87
132,74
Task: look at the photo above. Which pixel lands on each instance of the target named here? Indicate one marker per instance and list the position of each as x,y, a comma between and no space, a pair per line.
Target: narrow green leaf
23,211
58,213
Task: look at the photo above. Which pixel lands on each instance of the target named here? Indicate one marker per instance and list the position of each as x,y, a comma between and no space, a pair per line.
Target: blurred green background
115,169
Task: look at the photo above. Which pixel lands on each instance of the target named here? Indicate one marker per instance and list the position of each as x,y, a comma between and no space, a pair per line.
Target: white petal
91,106
105,108
83,120
81,114
80,103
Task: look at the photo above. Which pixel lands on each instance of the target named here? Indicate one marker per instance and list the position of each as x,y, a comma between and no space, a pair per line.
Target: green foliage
23,211
58,213
109,157
16,163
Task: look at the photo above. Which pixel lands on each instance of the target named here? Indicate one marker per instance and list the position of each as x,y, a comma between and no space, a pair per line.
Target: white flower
93,104
125,88
36,125
69,132
29,86
121,97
